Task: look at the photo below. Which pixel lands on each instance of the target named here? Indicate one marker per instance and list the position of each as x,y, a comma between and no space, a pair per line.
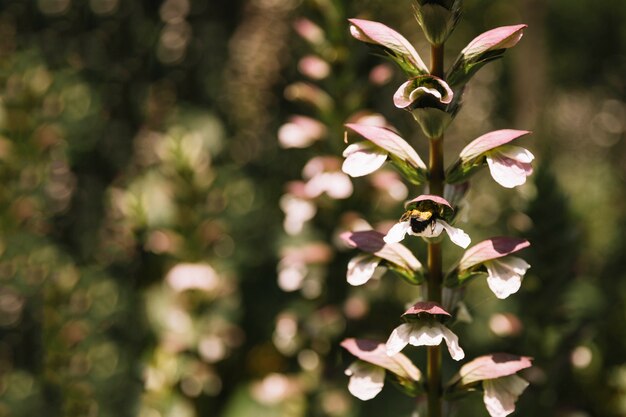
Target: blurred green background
162,254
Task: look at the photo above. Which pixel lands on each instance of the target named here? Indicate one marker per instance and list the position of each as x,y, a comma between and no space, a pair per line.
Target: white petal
452,340
397,232
361,269
457,236
501,394
338,186
517,153
362,159
335,184
433,334
507,172
505,275
429,231
425,335
366,380
399,338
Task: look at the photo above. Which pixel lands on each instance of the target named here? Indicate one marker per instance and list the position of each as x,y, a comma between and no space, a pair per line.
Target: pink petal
427,307
366,380
502,393
389,141
309,31
493,248
376,354
361,268
490,141
428,197
379,34
492,366
499,38
362,159
314,67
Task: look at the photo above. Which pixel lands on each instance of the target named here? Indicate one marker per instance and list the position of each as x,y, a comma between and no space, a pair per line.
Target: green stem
435,276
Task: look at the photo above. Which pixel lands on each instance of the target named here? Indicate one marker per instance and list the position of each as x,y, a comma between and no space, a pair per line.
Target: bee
420,220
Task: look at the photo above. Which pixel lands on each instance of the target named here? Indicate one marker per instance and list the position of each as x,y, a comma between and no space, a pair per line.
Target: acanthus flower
509,165
426,216
423,329
365,157
497,375
367,375
504,272
364,267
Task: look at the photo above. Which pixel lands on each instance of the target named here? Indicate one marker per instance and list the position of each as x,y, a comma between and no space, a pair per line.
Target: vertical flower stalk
435,165
433,97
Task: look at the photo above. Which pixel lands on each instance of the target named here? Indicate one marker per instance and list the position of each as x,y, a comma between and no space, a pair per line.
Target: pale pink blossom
504,272
366,380
486,47
298,211
367,375
423,329
424,334
509,165
314,67
423,91
400,230
363,158
309,31
323,176
505,275
300,132
364,267
379,34
501,386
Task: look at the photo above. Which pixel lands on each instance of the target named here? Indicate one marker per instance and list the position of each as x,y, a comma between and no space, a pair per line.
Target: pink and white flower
424,330
365,157
300,132
367,375
323,176
486,47
509,165
504,272
366,266
440,209
501,386
401,49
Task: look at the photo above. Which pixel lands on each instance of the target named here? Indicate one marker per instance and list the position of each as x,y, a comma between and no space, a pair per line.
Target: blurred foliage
163,255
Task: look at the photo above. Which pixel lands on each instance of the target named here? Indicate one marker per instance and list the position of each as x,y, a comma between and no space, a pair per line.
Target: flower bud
438,18
426,97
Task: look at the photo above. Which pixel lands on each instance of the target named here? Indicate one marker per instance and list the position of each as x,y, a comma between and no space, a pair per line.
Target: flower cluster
433,98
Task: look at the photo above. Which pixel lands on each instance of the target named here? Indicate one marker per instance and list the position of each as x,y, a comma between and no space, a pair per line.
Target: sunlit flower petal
510,165
424,334
457,236
505,275
361,268
362,159
379,34
502,393
397,232
366,380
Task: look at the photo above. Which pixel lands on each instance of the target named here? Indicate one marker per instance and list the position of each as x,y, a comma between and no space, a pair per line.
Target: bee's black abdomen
418,226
